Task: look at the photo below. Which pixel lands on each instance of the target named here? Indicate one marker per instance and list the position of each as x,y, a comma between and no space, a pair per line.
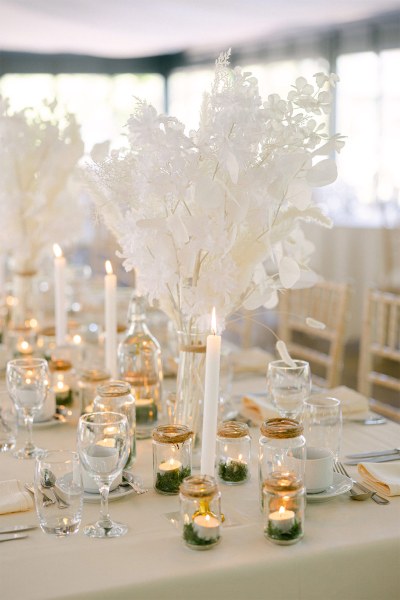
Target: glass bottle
139,363
172,457
88,382
116,396
282,446
233,452
283,499
200,502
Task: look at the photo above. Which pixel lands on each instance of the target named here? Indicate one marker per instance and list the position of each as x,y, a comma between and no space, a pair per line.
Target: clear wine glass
289,386
103,441
28,384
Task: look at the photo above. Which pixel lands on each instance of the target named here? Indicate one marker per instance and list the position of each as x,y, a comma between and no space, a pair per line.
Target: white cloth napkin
257,409
352,402
383,477
13,497
251,360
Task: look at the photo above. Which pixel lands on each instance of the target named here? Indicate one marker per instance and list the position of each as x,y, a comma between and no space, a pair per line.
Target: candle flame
77,339
109,269
213,321
207,517
24,345
60,385
57,251
281,510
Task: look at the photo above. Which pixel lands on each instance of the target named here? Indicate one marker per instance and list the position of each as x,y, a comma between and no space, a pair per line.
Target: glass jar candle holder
282,446
200,503
46,342
116,396
283,495
233,452
62,381
88,382
21,341
172,457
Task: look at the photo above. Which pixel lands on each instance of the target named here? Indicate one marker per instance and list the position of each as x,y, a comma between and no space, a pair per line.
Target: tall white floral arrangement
39,152
212,217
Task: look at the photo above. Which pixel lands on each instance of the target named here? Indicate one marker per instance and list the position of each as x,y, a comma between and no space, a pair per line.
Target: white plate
341,484
119,492
48,423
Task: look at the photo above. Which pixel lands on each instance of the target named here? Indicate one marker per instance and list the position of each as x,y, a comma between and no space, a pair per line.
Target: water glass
322,422
28,384
8,423
103,441
59,492
289,386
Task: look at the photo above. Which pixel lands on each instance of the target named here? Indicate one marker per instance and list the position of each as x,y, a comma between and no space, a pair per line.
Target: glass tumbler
289,386
59,492
322,422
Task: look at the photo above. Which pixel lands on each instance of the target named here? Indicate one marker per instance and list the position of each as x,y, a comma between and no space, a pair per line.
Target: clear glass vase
190,381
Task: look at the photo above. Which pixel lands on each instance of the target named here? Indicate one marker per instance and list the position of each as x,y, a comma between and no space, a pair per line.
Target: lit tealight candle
170,465
24,348
282,519
206,526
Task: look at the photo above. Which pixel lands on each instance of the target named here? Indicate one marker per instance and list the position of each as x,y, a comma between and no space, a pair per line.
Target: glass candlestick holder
88,382
200,502
172,457
283,494
233,452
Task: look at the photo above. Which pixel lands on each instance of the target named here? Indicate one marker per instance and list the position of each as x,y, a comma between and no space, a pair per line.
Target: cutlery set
16,532
376,457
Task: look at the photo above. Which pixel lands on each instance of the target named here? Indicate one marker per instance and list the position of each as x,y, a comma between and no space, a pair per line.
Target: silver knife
373,459
16,528
372,454
14,536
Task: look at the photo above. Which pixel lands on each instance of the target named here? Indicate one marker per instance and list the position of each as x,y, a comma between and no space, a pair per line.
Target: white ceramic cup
319,469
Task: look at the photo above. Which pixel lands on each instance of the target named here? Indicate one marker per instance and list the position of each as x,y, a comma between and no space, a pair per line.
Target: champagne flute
289,386
103,441
28,384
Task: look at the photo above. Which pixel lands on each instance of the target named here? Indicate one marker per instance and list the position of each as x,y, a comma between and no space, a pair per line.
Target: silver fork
339,468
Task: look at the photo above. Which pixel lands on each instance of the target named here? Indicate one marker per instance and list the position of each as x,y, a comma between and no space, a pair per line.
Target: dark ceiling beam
26,62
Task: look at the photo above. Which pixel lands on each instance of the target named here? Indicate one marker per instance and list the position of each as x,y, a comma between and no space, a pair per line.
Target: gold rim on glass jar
114,389
281,428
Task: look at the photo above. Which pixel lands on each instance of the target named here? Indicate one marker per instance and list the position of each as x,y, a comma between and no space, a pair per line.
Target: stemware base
29,453
96,530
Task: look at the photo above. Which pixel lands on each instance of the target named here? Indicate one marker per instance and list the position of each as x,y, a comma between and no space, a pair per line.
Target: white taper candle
59,296
211,400
110,317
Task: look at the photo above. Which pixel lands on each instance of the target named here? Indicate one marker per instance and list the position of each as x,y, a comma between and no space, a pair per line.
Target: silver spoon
128,479
48,481
45,499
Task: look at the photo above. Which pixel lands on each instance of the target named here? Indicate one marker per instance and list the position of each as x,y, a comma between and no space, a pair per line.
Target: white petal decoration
315,324
322,173
289,272
299,194
272,302
284,353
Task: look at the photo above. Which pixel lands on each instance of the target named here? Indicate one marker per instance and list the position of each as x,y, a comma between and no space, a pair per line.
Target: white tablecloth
350,551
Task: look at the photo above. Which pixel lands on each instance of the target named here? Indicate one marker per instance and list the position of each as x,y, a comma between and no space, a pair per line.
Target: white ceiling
134,28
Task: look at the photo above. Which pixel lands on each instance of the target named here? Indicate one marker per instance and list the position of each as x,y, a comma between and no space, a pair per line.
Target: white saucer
119,492
341,484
